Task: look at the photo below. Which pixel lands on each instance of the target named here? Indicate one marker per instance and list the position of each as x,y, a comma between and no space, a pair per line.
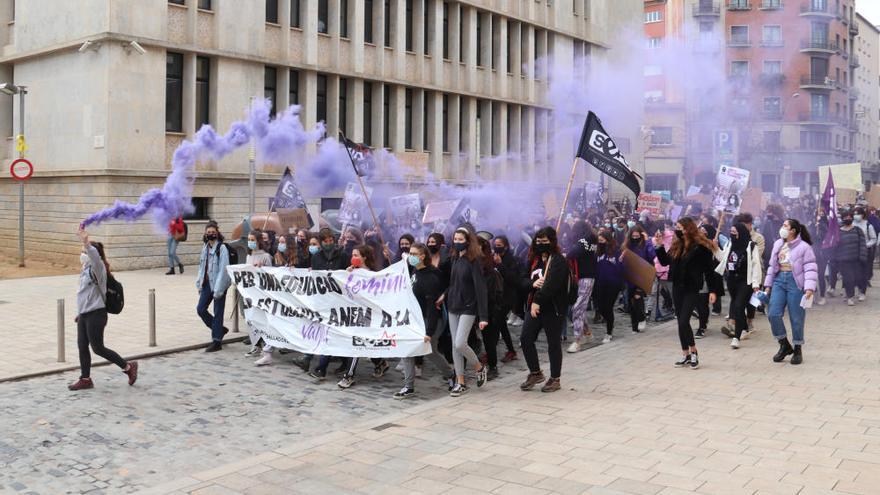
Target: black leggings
606,298
703,309
636,307
504,331
491,336
90,331
685,303
740,293
552,325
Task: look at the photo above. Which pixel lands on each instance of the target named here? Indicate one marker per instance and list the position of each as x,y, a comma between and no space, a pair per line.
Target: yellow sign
846,175
20,144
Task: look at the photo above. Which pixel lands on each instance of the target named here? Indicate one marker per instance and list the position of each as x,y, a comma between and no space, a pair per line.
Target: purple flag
829,202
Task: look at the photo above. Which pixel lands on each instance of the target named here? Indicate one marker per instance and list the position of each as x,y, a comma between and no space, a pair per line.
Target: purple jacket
803,264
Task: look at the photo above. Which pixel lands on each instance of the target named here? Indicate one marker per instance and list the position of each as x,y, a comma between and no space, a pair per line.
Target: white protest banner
339,313
650,203
440,210
730,184
793,192
354,205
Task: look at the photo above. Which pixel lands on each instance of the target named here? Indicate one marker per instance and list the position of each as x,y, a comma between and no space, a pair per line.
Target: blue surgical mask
630,224
313,250
413,260
607,225
252,245
460,246
282,248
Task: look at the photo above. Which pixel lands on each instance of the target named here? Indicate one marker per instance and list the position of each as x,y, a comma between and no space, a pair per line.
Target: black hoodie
427,288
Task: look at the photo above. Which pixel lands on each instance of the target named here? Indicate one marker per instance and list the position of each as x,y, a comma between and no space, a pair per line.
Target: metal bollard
235,297
61,330
152,315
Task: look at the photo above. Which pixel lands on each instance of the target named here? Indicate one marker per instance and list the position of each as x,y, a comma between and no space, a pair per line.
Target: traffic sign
21,169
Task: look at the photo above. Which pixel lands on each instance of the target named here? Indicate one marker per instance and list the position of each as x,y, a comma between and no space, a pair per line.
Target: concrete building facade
439,83
867,88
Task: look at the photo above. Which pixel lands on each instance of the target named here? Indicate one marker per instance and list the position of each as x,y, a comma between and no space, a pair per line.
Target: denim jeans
215,321
173,259
786,293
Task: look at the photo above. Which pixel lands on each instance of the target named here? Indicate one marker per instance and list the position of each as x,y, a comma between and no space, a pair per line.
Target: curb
145,355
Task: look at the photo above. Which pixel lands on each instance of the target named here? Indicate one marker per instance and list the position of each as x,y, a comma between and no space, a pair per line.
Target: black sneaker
214,347
450,382
684,361
701,332
727,331
492,374
458,390
404,393
481,375
380,369
695,361
318,375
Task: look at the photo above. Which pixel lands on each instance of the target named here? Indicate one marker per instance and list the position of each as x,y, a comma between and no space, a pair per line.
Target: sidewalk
28,311
626,421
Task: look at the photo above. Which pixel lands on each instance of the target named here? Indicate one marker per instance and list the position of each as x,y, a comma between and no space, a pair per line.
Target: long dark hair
473,251
100,248
548,233
215,226
261,244
487,263
369,256
609,248
628,242
692,236
800,229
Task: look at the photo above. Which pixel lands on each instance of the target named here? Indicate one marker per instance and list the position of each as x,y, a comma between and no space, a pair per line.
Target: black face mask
542,248
210,237
847,221
499,249
350,244
403,250
679,234
434,249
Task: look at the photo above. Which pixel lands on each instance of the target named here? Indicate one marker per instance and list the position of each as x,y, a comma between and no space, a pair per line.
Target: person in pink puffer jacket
791,278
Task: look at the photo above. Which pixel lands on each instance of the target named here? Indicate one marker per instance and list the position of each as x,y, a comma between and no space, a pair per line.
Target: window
661,136
386,116
655,16
819,33
368,113
446,30
426,96
174,92
175,2
295,13
771,140
323,17
408,119
409,25
772,106
200,209
739,68
772,67
321,99
739,5
739,35
387,17
205,4
510,47
203,91
461,47
343,107
272,11
343,18
770,183
445,129
494,49
368,21
480,16
427,34
819,105
293,93
270,81
655,42
772,35
815,140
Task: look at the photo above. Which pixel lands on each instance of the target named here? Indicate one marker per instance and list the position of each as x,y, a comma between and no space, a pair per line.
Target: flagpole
266,220
363,190
567,193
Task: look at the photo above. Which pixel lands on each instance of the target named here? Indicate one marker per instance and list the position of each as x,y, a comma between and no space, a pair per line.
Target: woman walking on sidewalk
583,257
609,280
791,278
547,308
176,230
850,255
212,284
637,243
258,256
741,261
691,267
91,315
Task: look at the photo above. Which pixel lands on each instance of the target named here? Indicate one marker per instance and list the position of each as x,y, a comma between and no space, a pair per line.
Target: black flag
361,156
597,148
288,196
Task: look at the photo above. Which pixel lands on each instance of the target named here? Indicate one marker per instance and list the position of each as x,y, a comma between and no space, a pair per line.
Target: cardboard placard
752,199
293,218
873,196
845,196
650,203
638,272
793,192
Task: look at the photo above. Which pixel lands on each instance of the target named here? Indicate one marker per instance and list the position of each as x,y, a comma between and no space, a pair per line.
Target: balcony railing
707,10
818,118
739,42
771,5
811,8
821,82
772,79
739,5
819,46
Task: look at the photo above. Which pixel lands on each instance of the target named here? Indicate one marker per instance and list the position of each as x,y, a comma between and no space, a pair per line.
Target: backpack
185,233
496,295
233,254
114,299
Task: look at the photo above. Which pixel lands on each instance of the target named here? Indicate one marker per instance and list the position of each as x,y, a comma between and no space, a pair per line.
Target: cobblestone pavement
188,412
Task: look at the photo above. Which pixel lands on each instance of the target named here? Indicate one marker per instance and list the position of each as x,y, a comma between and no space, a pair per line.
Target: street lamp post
252,190
11,90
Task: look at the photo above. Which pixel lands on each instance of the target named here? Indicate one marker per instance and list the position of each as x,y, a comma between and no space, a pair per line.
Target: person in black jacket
547,308
583,256
512,272
331,256
427,287
497,309
466,302
850,254
690,262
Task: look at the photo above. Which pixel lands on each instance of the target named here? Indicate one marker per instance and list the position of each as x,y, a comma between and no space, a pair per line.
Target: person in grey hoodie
212,283
91,314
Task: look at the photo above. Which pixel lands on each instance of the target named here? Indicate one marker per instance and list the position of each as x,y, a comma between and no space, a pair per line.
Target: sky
870,10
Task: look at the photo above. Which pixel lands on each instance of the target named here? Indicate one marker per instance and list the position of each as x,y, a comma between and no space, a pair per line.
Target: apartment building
442,84
866,57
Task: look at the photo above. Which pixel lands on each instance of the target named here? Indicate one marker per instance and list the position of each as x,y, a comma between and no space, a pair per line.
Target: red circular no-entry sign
21,169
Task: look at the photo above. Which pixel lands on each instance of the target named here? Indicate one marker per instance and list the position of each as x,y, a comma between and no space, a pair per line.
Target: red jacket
176,226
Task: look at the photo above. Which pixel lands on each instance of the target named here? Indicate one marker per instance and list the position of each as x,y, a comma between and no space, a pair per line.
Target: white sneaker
265,360
418,371
399,366
734,343
587,337
253,352
861,297
850,302
748,333
830,292
606,339
574,347
346,382
516,322
821,301
642,325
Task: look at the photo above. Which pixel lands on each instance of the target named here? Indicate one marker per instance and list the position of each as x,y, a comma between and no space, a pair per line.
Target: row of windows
412,98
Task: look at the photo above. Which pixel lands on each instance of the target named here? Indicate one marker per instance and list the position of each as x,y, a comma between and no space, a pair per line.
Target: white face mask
784,233
83,259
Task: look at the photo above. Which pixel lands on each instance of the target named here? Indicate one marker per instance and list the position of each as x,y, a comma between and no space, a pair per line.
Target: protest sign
846,175
793,192
295,218
692,191
873,196
551,204
354,205
650,203
405,214
729,186
666,195
637,271
351,314
440,211
845,196
751,201
675,213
